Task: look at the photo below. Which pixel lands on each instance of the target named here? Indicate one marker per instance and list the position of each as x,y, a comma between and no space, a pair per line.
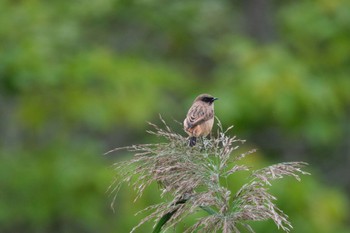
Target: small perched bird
200,118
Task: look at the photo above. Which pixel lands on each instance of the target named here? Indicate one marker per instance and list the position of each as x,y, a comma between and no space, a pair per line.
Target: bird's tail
193,141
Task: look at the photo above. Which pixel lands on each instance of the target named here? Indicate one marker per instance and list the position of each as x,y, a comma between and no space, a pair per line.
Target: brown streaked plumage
200,117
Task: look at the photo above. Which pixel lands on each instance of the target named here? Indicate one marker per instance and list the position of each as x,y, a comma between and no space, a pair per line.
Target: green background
78,78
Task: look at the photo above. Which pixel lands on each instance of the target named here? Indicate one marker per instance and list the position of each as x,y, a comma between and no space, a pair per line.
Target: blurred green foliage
78,78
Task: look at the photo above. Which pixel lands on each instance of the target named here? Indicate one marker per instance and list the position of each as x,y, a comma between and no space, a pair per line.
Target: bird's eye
207,99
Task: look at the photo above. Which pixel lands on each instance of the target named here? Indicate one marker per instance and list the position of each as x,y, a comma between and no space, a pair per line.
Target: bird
200,118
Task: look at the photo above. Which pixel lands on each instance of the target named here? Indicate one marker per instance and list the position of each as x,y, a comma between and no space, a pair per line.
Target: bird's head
206,98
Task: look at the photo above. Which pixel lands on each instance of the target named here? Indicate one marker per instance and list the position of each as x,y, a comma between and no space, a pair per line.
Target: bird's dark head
206,98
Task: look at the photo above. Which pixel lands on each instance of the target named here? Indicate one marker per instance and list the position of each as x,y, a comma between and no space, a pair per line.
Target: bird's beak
215,98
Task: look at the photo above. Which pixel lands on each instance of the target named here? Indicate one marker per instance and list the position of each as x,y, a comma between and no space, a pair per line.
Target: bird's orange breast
201,129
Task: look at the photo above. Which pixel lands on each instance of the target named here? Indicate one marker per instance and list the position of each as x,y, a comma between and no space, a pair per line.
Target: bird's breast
201,130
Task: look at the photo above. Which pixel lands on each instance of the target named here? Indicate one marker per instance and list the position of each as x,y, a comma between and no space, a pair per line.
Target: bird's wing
197,115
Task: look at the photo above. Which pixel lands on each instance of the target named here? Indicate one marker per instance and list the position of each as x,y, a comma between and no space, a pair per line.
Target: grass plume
191,180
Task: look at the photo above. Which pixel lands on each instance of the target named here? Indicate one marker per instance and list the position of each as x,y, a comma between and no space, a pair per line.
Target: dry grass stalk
194,173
